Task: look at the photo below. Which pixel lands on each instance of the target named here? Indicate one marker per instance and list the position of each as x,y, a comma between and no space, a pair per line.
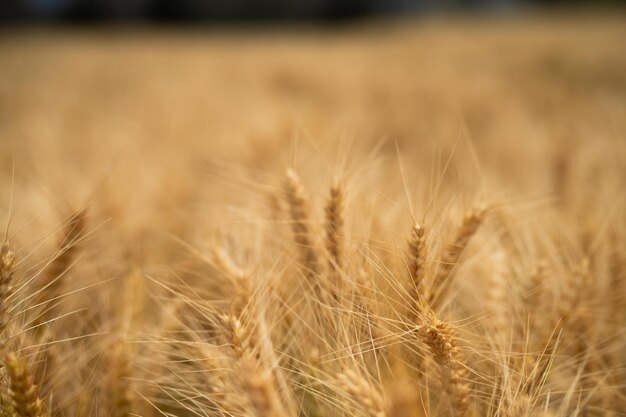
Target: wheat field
382,219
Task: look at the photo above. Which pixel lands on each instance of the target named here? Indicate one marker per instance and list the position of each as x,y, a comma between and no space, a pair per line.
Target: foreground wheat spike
334,227
260,386
439,337
417,265
242,330
25,394
261,390
73,232
362,393
334,237
7,262
6,408
301,222
452,254
237,335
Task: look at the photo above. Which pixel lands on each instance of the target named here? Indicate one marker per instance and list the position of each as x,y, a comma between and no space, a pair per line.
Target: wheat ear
73,232
362,393
261,390
301,222
417,266
334,227
242,328
24,394
260,386
7,262
452,254
439,337
334,238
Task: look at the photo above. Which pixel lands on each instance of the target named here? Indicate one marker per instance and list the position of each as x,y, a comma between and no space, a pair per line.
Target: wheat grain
25,394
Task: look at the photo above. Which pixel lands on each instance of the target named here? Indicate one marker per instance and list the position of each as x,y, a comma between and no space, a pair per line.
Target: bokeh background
199,10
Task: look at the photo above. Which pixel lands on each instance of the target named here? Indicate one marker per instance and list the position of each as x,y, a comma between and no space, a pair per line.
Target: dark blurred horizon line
197,11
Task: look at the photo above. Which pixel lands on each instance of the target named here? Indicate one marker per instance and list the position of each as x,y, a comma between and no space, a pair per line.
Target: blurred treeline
190,10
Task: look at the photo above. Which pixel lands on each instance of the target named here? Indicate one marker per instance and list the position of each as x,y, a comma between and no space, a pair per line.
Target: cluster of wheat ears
332,330
202,237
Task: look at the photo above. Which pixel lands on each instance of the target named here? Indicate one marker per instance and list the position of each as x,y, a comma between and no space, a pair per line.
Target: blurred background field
154,105
174,129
